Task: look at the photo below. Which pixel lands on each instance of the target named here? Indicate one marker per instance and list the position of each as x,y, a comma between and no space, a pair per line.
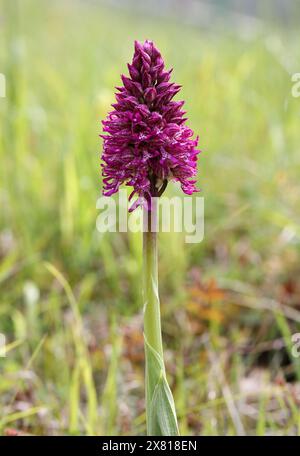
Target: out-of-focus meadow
70,298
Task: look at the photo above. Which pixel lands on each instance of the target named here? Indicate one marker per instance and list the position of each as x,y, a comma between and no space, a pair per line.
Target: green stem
152,325
160,408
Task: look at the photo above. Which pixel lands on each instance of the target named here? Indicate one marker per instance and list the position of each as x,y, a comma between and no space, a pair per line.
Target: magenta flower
147,142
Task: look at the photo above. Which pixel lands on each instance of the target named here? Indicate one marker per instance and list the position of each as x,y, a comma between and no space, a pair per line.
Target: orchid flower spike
146,141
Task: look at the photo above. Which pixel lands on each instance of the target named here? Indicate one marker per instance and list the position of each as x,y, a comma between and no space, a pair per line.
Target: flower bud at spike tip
146,141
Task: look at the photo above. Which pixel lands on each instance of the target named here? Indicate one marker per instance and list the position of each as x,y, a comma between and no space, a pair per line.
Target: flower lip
146,141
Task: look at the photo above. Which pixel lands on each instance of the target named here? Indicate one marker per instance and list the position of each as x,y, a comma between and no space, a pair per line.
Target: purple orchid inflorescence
147,142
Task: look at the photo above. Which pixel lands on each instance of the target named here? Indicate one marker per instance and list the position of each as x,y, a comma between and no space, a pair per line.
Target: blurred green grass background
70,298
